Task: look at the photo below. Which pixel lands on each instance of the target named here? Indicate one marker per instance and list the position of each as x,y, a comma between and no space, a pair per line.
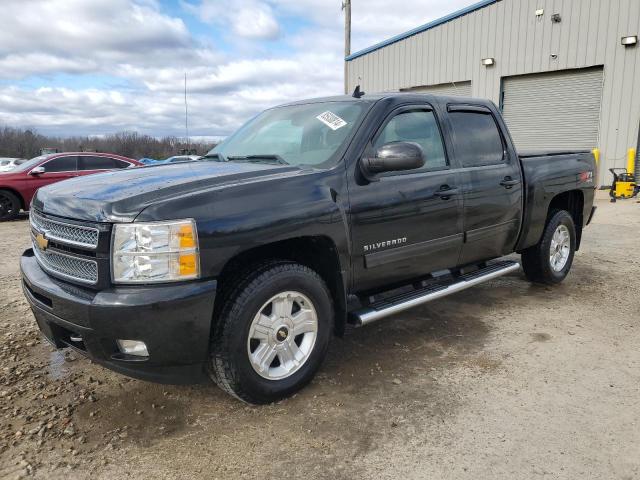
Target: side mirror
393,157
37,171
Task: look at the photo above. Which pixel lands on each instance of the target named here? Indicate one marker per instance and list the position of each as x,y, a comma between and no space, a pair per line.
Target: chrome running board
405,301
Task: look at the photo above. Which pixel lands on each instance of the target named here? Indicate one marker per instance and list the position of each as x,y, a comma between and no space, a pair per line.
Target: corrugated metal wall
588,35
461,89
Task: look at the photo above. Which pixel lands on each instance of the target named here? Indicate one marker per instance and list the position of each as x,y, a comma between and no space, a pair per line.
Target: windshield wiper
257,158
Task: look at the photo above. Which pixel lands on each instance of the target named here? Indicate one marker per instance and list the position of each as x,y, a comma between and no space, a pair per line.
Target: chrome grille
67,266
67,233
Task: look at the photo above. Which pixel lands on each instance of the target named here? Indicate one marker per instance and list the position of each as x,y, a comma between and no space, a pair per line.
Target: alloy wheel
282,335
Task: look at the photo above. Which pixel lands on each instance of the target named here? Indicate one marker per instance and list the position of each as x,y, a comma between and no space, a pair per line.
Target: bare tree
25,143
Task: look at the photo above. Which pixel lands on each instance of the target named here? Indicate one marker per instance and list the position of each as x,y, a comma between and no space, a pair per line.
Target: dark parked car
312,216
18,186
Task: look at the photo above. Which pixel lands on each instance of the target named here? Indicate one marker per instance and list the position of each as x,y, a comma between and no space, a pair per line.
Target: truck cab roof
375,97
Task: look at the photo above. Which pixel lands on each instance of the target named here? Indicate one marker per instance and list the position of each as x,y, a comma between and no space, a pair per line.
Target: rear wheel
272,333
9,205
550,260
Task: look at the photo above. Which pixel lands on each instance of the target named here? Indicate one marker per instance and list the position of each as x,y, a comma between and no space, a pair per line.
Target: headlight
155,252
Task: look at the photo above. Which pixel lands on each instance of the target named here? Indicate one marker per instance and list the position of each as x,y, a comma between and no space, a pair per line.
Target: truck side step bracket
404,301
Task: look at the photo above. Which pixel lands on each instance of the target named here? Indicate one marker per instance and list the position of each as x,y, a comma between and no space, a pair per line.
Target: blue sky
92,67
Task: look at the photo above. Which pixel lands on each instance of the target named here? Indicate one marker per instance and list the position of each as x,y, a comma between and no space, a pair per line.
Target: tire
264,358
539,263
9,206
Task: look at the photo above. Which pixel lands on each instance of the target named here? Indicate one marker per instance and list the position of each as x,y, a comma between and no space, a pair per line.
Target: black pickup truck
313,216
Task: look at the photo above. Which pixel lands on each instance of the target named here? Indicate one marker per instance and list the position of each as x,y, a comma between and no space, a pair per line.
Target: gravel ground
507,380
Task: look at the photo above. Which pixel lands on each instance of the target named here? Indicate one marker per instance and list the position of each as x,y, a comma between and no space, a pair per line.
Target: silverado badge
42,242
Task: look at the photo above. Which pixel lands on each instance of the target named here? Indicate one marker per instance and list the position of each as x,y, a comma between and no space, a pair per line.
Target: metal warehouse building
566,73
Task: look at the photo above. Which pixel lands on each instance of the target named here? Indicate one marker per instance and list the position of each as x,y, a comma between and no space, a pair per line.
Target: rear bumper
174,321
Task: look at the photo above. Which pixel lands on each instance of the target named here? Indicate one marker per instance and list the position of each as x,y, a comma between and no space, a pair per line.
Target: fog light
133,347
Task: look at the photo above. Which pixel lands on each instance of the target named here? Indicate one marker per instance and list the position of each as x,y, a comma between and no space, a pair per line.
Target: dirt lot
508,380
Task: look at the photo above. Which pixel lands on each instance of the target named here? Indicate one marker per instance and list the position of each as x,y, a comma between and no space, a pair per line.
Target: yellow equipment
624,183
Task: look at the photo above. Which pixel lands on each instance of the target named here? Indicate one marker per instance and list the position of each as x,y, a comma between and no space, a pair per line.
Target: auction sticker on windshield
331,120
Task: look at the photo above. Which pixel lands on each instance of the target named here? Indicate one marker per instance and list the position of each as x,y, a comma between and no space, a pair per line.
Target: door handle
445,192
509,182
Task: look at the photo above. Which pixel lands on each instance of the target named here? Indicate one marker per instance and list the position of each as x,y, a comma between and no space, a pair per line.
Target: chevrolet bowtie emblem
42,242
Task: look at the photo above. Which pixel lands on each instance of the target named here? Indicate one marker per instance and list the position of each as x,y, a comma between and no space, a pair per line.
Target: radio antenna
186,110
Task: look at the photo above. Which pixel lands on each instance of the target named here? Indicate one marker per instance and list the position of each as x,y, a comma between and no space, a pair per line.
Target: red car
18,186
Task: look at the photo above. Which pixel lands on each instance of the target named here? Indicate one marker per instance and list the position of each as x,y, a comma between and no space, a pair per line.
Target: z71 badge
585,177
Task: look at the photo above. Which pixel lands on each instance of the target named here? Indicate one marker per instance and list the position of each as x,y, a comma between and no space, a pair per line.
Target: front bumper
173,320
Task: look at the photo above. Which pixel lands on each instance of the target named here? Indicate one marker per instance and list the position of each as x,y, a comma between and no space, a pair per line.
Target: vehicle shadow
21,217
401,357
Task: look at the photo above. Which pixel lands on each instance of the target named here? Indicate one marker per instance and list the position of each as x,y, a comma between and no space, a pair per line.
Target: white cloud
149,51
374,20
19,66
220,98
249,19
80,36
304,69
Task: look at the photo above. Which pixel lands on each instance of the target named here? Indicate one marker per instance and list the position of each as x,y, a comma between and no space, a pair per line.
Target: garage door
456,89
559,110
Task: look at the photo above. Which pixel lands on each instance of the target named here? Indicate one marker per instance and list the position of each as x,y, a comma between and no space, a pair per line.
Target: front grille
71,267
67,233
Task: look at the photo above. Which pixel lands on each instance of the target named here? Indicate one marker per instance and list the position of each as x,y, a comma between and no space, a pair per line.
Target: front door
55,170
491,183
407,224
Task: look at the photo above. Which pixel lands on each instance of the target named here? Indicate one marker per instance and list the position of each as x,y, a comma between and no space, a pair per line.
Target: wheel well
316,252
17,194
573,202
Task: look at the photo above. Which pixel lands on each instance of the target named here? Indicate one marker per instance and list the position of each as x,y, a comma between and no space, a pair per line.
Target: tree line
28,143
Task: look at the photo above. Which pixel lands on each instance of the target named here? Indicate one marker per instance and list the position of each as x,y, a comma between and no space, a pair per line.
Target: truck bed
548,174
549,153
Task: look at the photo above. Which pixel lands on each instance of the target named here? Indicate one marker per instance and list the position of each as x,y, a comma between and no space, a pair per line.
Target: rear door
88,164
407,224
491,182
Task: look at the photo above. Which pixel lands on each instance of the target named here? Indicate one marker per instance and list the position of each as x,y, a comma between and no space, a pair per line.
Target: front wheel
272,333
550,260
9,206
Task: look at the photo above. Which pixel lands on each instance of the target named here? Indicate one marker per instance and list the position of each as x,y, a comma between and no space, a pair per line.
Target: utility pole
346,6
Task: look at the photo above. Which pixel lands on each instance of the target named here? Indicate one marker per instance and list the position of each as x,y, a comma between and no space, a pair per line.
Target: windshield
302,135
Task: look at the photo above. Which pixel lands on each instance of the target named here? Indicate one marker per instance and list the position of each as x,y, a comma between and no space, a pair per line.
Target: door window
60,164
417,126
100,163
477,140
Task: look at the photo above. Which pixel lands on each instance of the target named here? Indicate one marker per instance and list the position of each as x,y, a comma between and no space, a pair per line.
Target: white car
182,158
8,164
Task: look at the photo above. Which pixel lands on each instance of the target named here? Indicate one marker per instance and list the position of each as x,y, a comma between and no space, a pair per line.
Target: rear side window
100,163
60,164
477,139
417,126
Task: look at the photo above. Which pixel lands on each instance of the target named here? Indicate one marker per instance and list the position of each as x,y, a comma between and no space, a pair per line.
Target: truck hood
121,195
